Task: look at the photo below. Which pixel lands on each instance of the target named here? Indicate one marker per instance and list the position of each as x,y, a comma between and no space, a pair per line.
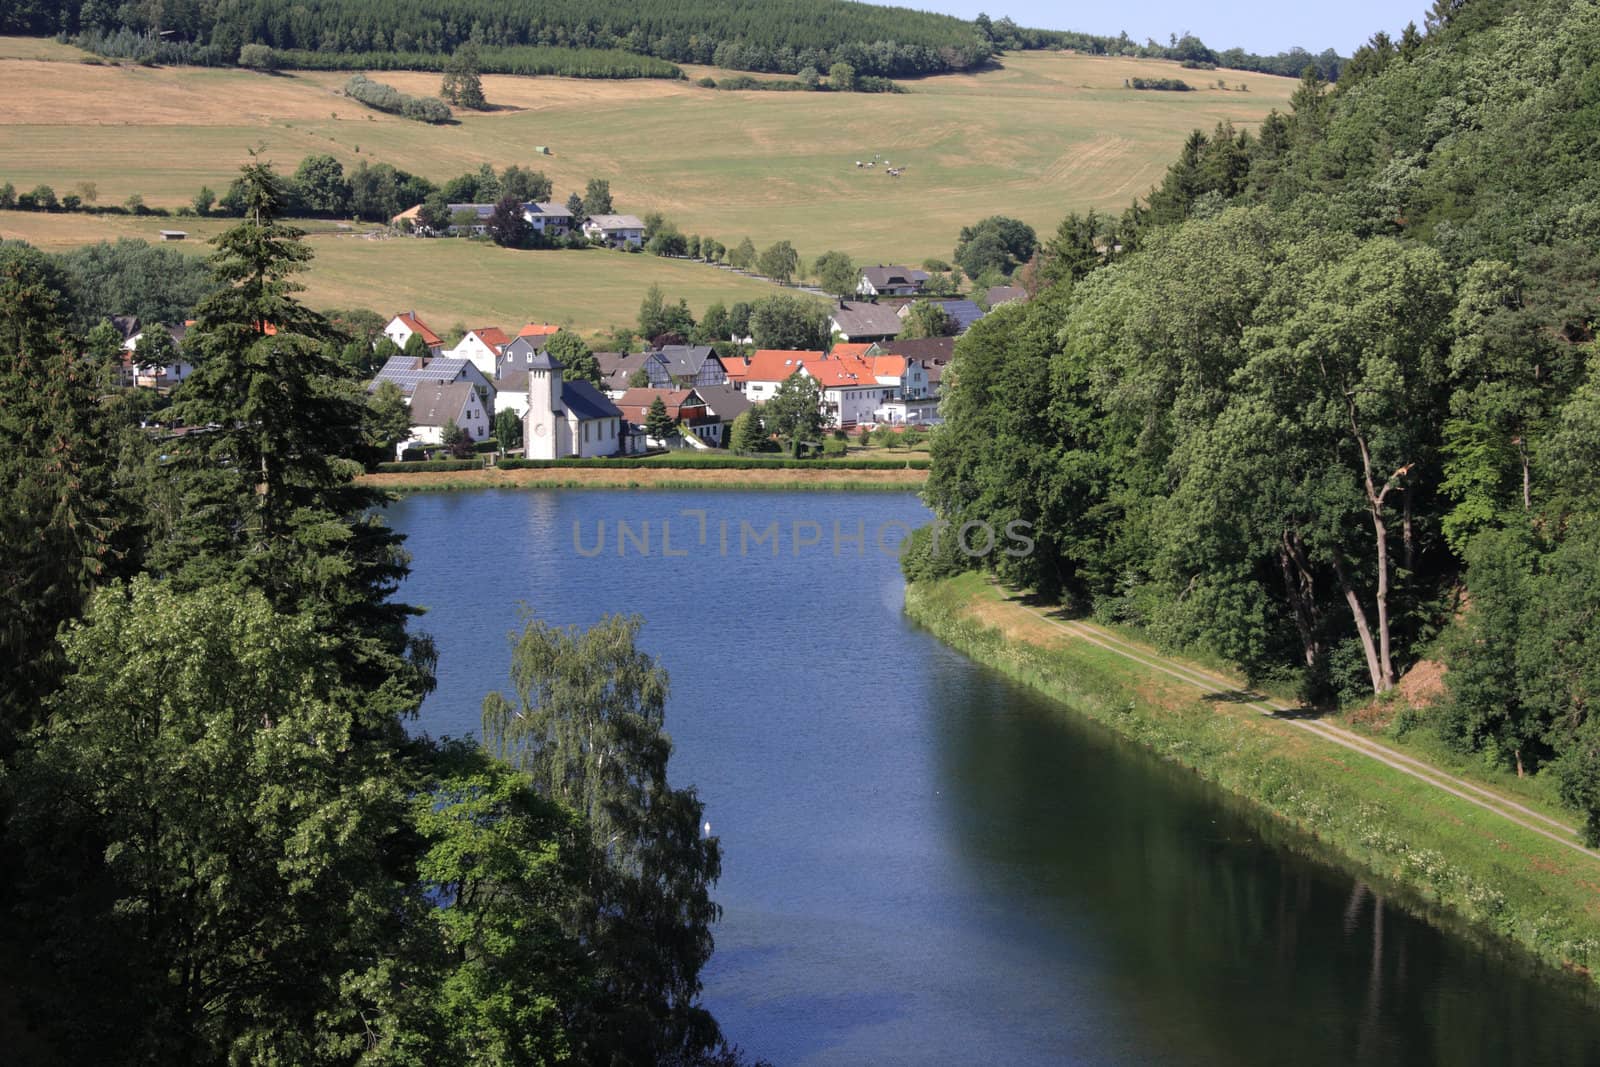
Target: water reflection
927,864
1230,947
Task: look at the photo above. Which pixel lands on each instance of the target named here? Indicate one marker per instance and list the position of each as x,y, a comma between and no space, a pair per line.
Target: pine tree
263,483
657,423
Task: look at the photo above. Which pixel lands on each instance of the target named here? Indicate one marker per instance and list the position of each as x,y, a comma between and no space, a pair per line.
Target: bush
1171,85
833,447
383,97
923,560
258,57
707,83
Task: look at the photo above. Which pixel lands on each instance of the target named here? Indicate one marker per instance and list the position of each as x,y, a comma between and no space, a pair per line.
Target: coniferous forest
785,36
221,844
1325,404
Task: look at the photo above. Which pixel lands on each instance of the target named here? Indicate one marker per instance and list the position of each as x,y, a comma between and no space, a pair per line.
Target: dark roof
406,372
685,361
587,402
724,401
616,368
547,207
127,325
512,381
438,403
1004,294
894,276
939,349
543,360
856,319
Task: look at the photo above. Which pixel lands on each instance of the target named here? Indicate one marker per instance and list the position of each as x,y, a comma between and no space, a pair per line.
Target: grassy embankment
645,477
1457,863
1046,134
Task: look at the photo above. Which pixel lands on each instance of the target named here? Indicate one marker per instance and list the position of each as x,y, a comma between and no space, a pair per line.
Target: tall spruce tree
263,483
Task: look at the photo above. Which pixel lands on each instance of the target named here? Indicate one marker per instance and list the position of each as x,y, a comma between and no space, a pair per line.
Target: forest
1324,404
220,842
610,39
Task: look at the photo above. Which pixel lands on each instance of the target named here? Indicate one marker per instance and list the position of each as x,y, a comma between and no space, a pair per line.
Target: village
668,396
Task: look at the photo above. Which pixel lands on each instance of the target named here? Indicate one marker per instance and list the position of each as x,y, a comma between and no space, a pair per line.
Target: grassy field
1046,134
1447,859
444,281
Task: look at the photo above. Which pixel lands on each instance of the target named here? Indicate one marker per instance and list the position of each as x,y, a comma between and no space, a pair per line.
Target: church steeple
541,425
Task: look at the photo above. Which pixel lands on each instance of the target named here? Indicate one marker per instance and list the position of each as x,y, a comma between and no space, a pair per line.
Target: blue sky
1255,25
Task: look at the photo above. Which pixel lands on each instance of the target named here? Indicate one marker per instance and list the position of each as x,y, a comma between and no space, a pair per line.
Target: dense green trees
221,845
784,321
1328,393
996,245
383,97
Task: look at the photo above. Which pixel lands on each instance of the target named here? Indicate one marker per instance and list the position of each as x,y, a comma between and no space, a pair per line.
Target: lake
926,863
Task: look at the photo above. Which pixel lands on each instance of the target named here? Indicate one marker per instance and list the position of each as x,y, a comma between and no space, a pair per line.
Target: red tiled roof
841,373
845,349
888,366
777,364
493,336
738,370
415,325
536,329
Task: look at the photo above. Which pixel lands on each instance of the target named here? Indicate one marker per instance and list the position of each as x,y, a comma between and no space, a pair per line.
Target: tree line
222,844
1324,403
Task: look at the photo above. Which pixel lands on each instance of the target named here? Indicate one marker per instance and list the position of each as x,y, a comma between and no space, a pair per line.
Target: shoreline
1459,867
781,479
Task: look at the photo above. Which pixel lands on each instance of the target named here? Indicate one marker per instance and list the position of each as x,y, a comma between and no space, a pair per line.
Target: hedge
728,463
430,465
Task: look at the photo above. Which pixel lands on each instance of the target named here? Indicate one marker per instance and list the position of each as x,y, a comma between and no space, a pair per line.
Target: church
567,418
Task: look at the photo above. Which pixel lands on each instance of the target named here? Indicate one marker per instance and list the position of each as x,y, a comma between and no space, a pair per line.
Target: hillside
1046,134
1333,408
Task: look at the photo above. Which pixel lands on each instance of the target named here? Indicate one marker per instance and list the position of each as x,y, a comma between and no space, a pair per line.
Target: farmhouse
548,218
567,418
151,375
891,281
618,231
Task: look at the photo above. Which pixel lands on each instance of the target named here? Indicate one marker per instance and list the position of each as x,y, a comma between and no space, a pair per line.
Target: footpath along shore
1458,852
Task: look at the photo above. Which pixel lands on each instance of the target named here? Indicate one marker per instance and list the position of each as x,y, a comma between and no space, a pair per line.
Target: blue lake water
925,863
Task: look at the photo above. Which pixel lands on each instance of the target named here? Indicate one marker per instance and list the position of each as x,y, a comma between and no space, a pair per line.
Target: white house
403,325
618,231
548,217
567,418
436,405
771,367
481,348
157,375
851,392
893,280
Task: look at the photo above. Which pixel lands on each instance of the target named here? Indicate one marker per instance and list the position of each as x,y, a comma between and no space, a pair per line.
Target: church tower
545,424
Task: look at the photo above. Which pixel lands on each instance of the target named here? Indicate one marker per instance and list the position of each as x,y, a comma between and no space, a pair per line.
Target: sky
1254,25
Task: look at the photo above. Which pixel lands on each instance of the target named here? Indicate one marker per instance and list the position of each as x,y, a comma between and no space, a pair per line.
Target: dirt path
1217,685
